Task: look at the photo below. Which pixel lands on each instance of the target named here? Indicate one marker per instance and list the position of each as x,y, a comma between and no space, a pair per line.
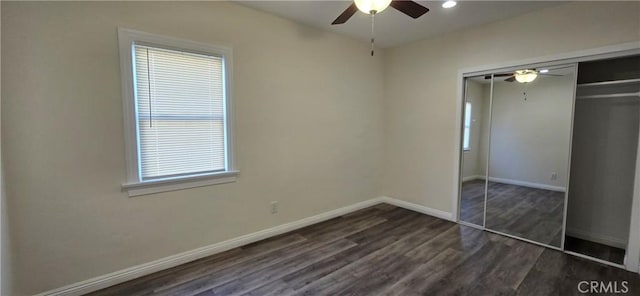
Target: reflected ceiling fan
522,76
373,7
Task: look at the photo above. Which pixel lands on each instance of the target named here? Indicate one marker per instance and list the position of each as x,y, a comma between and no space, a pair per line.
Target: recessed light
449,4
544,71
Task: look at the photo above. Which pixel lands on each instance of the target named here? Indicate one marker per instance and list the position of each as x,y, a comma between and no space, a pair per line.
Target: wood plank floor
381,250
530,213
595,250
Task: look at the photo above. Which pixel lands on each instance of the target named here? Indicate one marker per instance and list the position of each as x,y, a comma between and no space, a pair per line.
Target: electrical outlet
554,176
274,207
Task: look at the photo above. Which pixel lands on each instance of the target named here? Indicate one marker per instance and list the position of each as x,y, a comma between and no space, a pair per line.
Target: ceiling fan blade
346,14
409,8
510,79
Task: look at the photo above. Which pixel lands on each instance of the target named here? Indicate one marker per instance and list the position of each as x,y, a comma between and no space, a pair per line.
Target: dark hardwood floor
530,213
381,250
595,250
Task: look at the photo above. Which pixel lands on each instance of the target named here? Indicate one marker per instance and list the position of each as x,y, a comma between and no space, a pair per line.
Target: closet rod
610,96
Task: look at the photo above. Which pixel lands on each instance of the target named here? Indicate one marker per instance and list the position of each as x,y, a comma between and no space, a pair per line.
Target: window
177,103
467,126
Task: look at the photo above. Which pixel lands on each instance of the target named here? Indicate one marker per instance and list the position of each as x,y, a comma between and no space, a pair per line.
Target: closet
549,155
603,158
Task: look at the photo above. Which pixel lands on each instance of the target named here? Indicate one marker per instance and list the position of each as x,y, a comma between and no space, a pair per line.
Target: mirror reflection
475,141
529,153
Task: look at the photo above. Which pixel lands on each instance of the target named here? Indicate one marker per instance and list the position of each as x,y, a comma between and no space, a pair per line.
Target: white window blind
180,112
467,126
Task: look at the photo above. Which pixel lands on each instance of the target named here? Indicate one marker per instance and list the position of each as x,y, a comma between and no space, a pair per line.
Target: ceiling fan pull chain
373,15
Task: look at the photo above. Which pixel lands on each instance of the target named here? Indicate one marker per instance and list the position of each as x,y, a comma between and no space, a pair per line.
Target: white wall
472,164
483,155
308,134
5,242
5,270
421,86
6,275
530,139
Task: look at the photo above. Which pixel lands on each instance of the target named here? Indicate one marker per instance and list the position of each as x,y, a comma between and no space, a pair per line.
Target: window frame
466,130
134,185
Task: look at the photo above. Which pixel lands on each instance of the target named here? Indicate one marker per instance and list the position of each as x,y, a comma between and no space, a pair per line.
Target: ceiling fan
373,7
522,76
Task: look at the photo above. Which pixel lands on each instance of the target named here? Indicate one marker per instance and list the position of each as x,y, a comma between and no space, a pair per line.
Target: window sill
164,185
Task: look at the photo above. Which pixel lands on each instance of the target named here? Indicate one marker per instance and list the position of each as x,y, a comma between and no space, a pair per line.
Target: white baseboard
517,182
127,274
528,184
471,178
598,238
418,208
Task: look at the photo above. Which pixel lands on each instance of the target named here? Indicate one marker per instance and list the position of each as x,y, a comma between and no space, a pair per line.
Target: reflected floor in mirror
472,202
530,213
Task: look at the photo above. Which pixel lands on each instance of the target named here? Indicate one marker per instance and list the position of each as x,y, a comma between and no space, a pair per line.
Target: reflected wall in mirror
475,140
529,155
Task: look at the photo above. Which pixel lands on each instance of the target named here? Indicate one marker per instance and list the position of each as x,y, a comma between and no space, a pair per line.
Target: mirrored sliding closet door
523,145
529,155
475,143
550,155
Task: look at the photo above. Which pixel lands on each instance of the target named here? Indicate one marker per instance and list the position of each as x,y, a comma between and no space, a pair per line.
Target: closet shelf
610,96
610,83
627,88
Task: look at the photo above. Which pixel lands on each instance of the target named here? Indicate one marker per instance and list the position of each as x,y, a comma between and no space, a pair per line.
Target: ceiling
393,28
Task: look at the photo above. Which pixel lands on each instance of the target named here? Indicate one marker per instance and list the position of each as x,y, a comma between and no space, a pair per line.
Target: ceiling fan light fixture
526,76
369,6
449,4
